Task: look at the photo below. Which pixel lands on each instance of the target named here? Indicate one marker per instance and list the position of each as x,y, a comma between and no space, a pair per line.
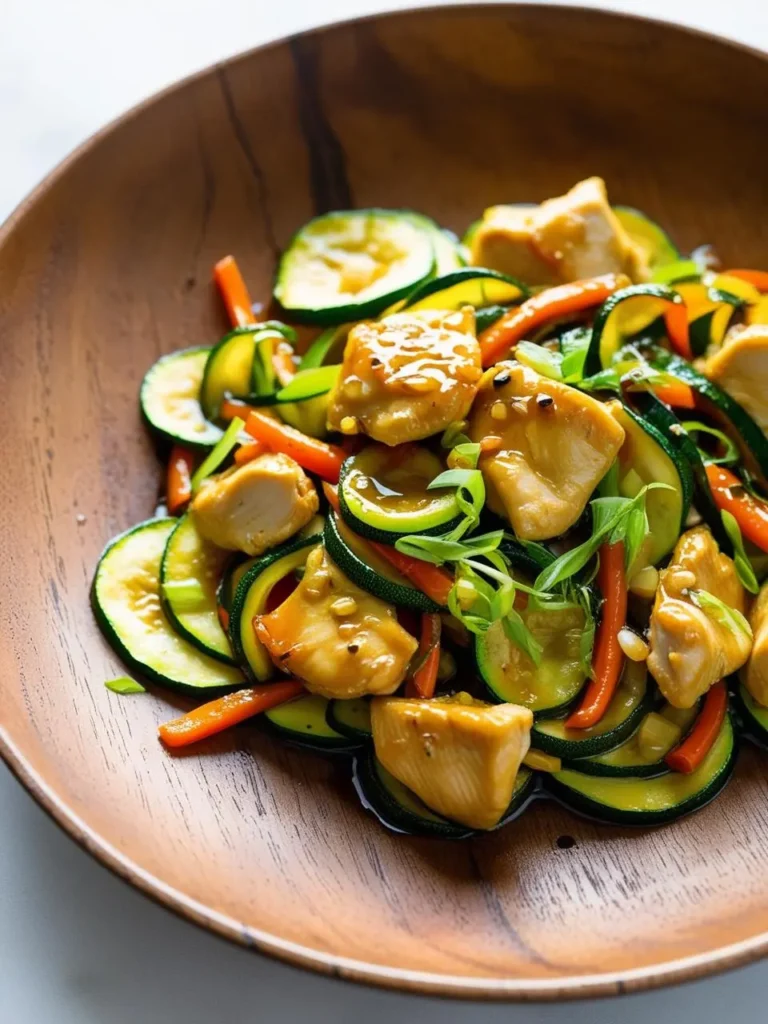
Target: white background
76,945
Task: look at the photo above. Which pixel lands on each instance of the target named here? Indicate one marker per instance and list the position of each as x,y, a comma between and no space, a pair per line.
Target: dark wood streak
328,172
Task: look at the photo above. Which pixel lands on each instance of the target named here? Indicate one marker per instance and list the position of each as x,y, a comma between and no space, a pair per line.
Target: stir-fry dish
489,515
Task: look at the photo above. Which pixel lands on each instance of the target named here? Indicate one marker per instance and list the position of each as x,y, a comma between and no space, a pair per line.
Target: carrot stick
221,714
429,579
750,513
675,393
227,276
179,478
248,452
423,681
608,658
759,278
499,338
676,320
316,456
695,747
231,407
223,618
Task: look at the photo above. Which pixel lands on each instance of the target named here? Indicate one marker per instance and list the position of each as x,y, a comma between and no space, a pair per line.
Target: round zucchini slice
468,286
624,315
190,573
369,570
303,722
170,399
754,715
647,456
445,244
512,677
230,578
383,493
400,810
351,718
251,598
631,702
630,759
126,602
631,801
352,264
653,240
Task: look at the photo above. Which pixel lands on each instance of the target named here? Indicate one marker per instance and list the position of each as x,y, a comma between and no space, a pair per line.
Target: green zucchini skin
364,529
367,578
372,789
754,718
594,360
647,233
469,282
351,718
654,412
303,723
582,793
187,670
198,434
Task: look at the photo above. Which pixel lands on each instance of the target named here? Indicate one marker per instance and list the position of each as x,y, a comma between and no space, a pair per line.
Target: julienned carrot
499,338
223,617
316,456
229,280
423,681
695,747
676,393
221,714
231,407
429,579
608,658
248,452
750,513
759,278
179,480
676,321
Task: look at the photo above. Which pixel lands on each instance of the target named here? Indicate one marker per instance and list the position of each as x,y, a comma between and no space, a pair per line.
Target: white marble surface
76,945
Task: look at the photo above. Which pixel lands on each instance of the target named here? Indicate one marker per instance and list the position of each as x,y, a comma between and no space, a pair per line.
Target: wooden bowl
107,266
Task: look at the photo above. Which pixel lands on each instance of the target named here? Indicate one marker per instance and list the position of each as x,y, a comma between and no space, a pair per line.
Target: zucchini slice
629,759
710,311
327,348
487,316
230,365
648,456
251,598
190,573
631,702
468,286
126,602
654,241
400,810
233,573
625,314
383,493
304,723
445,244
754,716
728,414
352,264
659,416
512,677
351,717
628,801
170,399
365,567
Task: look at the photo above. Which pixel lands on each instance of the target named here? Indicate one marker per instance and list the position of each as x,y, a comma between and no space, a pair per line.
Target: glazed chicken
690,648
407,376
755,672
255,506
557,443
567,238
338,639
459,755
740,367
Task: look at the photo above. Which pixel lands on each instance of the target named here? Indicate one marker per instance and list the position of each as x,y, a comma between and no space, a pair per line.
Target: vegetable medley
490,515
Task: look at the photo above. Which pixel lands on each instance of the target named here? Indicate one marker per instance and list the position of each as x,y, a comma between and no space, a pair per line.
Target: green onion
187,595
309,384
219,453
680,270
744,569
318,351
543,360
721,612
731,456
124,684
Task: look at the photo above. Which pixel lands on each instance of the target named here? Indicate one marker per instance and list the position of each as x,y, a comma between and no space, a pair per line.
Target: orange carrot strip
223,618
231,407
423,681
248,452
697,744
221,714
759,278
676,320
608,658
750,513
430,579
227,276
499,338
675,393
179,479
316,456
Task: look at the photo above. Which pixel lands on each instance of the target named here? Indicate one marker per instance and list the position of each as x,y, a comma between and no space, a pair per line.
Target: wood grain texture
108,265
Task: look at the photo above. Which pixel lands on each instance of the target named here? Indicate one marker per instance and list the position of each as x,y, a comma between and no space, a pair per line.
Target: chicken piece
755,673
407,376
459,755
557,443
339,640
255,506
503,241
565,239
582,237
740,367
690,648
